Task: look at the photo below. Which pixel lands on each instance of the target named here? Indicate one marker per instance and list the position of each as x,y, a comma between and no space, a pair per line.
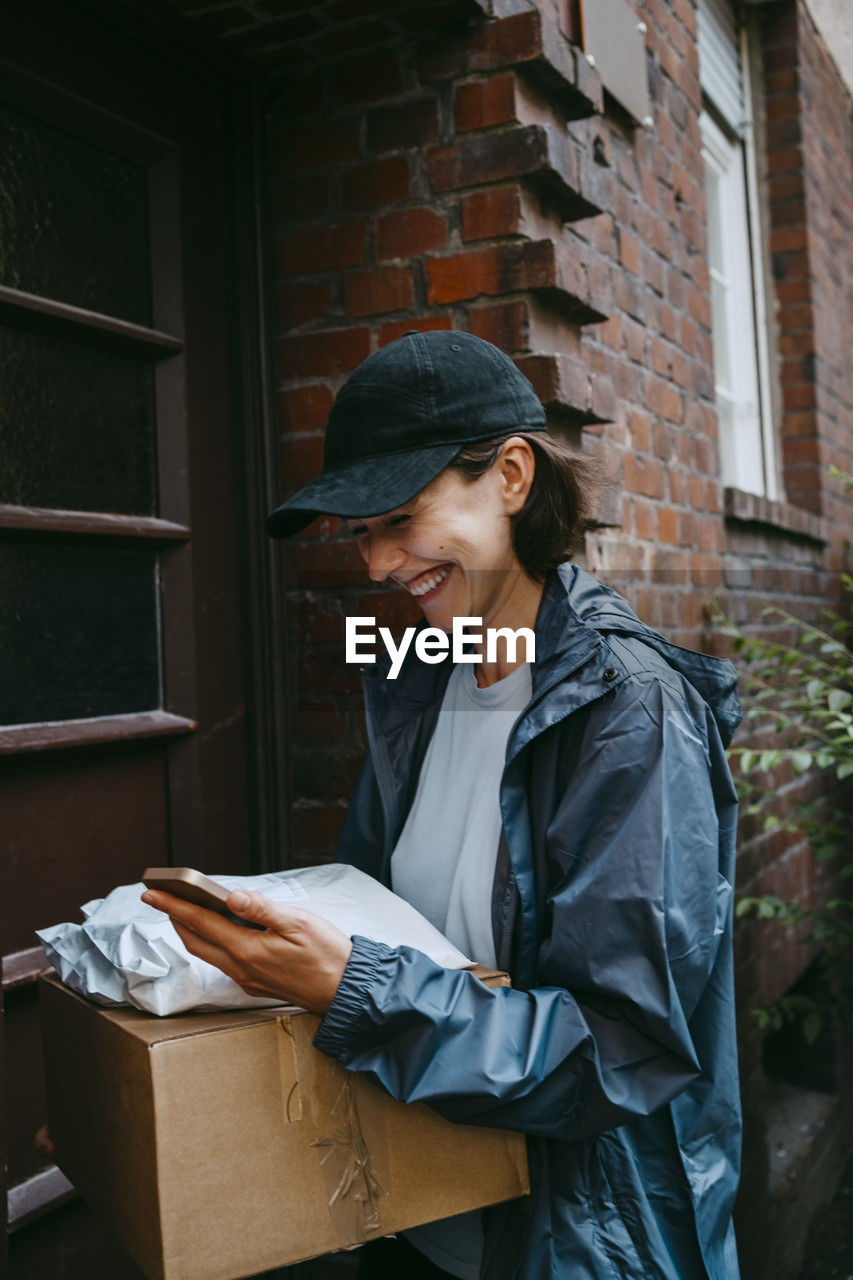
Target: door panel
103,819
122,682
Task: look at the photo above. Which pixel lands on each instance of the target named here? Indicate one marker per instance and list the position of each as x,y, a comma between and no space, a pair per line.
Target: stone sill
752,508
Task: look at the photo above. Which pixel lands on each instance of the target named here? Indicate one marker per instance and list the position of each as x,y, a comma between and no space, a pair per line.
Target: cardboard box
220,1145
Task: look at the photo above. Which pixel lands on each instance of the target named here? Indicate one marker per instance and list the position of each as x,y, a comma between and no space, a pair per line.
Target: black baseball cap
402,416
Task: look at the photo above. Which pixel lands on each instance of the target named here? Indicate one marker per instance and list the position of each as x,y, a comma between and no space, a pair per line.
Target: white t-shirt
444,865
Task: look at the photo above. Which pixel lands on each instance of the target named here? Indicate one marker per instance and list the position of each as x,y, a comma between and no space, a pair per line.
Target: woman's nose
383,556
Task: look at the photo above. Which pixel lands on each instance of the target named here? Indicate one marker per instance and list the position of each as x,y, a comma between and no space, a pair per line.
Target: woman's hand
299,958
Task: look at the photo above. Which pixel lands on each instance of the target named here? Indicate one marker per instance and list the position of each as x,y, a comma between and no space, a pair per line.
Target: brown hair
559,506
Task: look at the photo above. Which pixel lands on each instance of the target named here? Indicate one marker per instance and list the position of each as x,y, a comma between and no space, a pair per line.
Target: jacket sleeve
636,913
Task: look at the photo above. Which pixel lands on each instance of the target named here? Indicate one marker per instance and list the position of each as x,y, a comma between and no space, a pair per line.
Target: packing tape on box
353,1153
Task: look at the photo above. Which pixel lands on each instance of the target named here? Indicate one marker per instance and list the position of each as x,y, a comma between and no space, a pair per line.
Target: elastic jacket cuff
339,1022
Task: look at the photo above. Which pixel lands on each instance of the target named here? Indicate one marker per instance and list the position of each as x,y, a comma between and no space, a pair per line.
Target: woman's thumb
240,901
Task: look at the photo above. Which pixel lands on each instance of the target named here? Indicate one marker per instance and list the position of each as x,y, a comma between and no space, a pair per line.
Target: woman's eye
397,520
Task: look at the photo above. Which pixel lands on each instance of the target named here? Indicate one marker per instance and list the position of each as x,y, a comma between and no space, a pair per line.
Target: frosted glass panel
78,632
73,220
76,427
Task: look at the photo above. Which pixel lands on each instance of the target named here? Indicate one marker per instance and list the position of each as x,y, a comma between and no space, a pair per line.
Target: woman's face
451,546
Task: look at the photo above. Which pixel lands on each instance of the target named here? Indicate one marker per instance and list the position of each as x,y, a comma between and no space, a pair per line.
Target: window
741,361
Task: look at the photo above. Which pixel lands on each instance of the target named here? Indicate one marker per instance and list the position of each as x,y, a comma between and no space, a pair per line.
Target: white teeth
430,584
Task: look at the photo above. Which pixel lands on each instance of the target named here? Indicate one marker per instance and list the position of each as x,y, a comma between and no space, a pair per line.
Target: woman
571,820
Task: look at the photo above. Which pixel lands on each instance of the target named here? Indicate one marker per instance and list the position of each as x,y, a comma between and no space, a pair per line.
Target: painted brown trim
60,319
47,520
52,735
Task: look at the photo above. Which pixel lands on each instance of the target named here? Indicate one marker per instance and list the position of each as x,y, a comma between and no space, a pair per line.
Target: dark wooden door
123,736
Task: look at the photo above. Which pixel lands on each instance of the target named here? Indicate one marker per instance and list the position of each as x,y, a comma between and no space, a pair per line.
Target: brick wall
422,184
475,177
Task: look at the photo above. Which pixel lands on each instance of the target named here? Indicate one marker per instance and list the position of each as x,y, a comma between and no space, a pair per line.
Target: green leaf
801,760
814,690
844,770
747,760
838,698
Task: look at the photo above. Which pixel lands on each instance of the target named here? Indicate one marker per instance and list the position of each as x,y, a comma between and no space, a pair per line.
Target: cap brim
364,487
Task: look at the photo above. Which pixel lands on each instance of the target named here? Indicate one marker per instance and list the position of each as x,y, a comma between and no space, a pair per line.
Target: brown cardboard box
223,1144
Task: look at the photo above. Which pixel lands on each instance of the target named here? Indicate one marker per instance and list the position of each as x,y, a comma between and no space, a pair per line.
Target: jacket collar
575,612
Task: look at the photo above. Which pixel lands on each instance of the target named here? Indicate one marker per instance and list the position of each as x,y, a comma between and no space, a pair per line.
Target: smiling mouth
426,585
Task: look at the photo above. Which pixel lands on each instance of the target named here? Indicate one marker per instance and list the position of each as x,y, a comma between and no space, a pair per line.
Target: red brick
808,450
663,439
786,186
678,486
301,460
367,79
794,291
667,525
324,353
644,475
798,396
629,252
300,302
500,269
320,248
508,42
369,186
379,289
662,398
305,408
316,145
784,160
484,103
506,325
710,535
408,232
785,239
645,522
494,156
406,124
397,328
640,425
699,306
491,213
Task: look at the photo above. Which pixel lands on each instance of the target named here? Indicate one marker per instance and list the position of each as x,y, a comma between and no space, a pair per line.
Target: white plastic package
128,953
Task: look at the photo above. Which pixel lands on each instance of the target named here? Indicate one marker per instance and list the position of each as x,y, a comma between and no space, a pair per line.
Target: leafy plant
797,681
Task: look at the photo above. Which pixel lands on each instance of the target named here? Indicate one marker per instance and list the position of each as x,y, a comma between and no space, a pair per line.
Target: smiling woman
533,812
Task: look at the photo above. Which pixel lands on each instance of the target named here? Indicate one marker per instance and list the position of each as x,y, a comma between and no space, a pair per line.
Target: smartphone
193,886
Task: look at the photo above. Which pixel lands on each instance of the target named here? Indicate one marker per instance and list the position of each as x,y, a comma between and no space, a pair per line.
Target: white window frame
748,453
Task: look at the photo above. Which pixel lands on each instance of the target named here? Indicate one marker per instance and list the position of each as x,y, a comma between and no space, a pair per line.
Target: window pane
76,427
78,632
73,220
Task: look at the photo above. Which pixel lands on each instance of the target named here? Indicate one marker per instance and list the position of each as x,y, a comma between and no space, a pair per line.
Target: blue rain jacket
615,1049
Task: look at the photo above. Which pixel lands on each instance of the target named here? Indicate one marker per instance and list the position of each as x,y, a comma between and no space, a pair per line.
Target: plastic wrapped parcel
126,952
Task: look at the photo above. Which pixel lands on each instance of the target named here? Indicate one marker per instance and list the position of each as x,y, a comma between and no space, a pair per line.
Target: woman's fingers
296,957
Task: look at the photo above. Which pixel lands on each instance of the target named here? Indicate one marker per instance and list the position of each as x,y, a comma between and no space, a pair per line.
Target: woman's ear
517,465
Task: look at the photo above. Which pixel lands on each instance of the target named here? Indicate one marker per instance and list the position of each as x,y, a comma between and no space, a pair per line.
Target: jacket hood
605,611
